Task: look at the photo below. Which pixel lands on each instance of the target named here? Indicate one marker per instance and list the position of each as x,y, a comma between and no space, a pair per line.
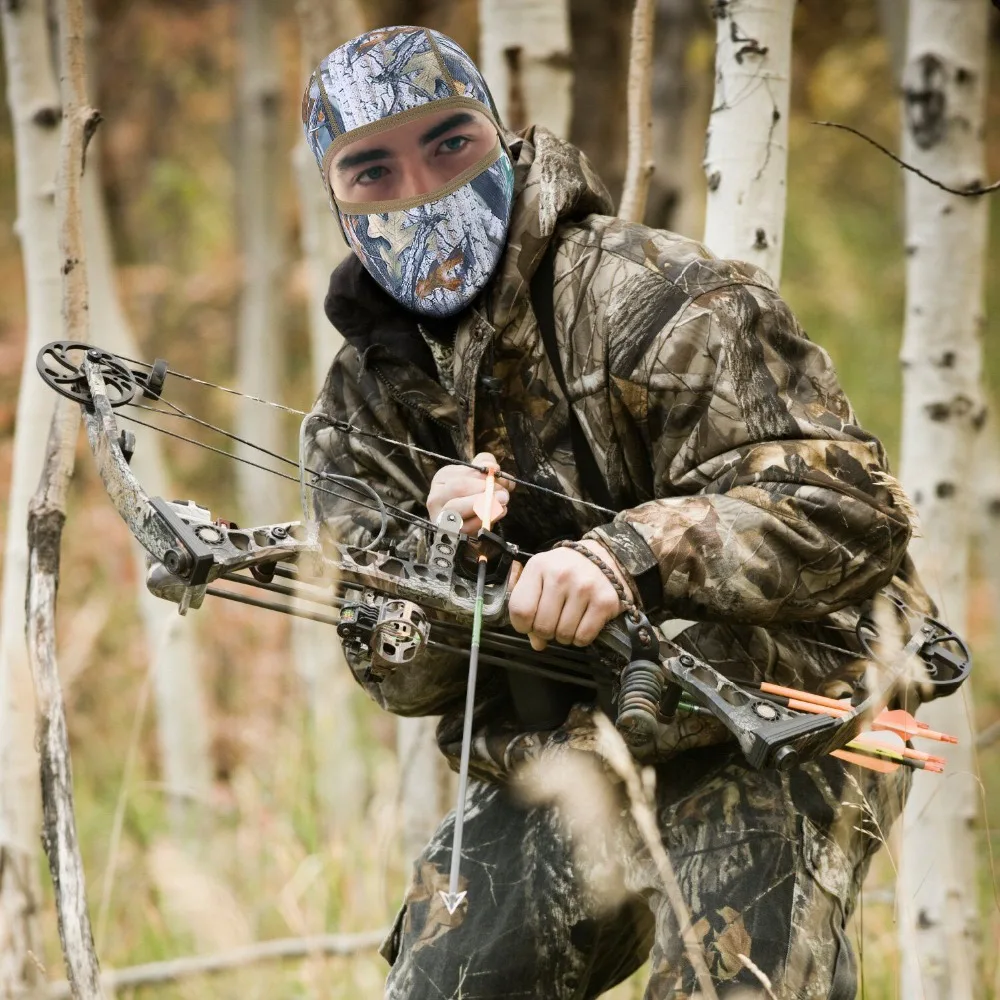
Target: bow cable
348,428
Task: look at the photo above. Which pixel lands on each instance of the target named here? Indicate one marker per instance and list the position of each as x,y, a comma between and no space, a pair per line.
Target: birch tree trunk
35,111
259,346
746,158
944,89
183,736
334,700
525,56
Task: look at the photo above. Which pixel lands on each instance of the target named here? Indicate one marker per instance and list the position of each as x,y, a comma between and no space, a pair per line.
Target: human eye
371,175
454,144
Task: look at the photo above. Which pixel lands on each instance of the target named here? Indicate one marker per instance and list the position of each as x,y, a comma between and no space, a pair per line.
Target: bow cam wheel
61,366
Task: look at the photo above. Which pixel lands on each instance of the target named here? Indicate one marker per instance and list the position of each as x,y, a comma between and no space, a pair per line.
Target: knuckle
608,603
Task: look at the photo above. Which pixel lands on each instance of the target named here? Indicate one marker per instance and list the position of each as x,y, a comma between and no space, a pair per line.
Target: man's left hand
562,595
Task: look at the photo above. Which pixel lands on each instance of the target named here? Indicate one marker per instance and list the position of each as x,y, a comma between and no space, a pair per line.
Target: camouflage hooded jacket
750,500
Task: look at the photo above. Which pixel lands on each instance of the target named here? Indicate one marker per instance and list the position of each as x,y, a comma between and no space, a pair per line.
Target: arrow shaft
470,702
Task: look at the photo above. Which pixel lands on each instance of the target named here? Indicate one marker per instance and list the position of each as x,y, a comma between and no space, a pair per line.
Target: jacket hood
554,184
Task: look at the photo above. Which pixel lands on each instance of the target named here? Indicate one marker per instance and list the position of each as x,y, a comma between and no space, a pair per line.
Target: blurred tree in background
166,78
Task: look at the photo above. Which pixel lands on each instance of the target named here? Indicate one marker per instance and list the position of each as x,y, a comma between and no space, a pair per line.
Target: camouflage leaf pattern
769,865
719,427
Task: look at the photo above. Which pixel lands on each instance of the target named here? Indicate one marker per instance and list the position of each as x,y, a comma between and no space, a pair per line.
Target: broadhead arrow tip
452,900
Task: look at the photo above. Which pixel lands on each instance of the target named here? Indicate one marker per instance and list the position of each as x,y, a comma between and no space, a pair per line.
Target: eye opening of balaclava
434,250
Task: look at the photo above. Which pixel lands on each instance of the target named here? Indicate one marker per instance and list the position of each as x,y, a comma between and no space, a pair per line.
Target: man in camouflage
752,506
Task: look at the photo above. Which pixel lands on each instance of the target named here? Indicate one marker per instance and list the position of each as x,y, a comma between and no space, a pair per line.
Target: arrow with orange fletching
867,749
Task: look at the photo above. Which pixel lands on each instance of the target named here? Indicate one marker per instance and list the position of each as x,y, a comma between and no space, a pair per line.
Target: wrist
607,557
601,554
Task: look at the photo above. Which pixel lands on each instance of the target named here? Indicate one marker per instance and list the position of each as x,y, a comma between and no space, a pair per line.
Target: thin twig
973,190
175,969
639,164
612,748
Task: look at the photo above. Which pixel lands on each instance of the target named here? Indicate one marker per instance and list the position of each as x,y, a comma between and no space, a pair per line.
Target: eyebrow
436,131
366,156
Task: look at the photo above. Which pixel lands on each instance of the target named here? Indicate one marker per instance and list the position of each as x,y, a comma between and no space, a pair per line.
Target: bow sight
390,605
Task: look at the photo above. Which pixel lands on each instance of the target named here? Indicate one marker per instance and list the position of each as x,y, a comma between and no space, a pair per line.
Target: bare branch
279,949
639,165
46,515
972,191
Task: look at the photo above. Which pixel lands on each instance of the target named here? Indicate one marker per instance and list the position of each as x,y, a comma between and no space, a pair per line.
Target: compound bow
387,604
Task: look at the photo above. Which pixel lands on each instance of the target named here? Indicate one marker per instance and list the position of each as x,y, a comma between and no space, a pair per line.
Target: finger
537,643
516,569
598,614
524,599
458,485
548,610
465,505
573,611
485,460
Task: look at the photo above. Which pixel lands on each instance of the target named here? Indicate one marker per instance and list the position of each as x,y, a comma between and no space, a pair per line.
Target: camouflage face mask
404,132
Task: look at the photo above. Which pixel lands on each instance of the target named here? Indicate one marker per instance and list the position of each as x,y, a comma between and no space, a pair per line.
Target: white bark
183,734
746,156
259,347
35,109
525,55
333,698
944,92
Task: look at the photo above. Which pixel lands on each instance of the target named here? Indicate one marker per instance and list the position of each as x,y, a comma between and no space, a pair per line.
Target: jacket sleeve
771,504
437,680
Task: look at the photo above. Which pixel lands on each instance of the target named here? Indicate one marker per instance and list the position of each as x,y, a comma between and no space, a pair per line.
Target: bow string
385,604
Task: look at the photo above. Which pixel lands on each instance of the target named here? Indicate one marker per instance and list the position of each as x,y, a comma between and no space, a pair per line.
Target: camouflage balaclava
434,253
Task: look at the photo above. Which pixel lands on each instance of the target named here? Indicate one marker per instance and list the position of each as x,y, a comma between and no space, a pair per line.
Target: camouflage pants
769,865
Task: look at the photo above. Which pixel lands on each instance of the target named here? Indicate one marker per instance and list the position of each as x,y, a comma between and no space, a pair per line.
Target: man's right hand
458,487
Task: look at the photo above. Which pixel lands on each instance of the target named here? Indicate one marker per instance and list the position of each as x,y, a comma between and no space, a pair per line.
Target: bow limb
190,554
